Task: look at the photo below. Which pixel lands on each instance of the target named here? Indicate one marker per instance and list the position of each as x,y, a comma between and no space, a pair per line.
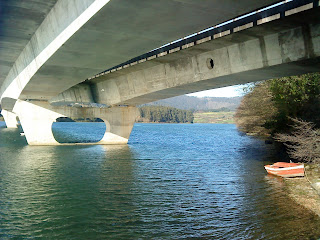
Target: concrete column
119,123
36,121
10,119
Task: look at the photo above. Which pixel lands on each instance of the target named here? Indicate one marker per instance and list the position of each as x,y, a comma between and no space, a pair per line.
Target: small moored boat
284,169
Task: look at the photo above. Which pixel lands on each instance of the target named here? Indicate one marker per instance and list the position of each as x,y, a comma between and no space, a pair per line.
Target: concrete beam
54,31
81,93
18,22
235,59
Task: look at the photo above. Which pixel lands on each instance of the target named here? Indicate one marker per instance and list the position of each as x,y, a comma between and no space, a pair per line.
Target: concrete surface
64,19
274,49
36,119
36,123
18,22
119,31
10,119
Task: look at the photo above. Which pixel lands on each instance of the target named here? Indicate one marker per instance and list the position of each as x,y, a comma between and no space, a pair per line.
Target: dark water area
172,181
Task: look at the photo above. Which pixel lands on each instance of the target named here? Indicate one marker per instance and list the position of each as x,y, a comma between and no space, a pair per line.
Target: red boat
284,169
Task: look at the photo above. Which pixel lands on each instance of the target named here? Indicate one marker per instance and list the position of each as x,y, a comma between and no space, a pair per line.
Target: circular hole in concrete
210,63
66,130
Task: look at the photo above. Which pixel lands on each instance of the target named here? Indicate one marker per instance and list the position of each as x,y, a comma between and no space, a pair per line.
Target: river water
172,181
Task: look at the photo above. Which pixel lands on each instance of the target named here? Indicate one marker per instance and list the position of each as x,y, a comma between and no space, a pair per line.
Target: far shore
214,117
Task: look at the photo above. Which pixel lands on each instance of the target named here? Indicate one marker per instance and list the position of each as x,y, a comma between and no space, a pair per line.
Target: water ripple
171,182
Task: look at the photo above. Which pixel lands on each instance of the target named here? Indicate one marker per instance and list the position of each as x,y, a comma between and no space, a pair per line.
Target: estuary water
172,181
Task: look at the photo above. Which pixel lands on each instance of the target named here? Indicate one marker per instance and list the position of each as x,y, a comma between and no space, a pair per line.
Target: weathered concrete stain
292,45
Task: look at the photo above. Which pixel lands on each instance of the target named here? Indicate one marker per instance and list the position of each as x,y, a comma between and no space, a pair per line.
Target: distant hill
196,104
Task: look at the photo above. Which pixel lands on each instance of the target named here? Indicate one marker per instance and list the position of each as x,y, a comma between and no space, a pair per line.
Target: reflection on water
171,181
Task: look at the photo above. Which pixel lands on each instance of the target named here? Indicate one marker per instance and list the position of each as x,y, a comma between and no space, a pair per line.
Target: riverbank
214,117
306,191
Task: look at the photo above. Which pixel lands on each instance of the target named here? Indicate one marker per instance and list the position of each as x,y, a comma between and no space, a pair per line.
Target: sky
232,91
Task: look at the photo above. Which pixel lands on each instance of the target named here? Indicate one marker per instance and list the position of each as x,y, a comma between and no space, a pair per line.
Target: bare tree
303,143
255,110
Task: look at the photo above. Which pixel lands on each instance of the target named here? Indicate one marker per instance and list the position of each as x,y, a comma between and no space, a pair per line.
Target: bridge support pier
119,123
37,117
36,122
10,119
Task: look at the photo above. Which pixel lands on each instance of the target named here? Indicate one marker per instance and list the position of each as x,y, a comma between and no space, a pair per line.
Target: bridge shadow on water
11,136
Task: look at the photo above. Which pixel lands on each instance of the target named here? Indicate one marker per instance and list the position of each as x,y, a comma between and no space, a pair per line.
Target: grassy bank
304,190
213,117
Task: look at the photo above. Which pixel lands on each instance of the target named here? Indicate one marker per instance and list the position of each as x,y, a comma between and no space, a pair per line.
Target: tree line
158,114
161,114
287,110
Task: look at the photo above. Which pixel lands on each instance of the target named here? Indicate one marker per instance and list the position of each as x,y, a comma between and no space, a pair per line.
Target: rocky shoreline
306,191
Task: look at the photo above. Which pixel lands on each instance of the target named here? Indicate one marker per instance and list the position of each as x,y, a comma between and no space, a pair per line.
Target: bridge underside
118,31
18,22
275,49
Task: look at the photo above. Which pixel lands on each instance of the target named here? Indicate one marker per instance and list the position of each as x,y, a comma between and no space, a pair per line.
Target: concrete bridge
100,58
